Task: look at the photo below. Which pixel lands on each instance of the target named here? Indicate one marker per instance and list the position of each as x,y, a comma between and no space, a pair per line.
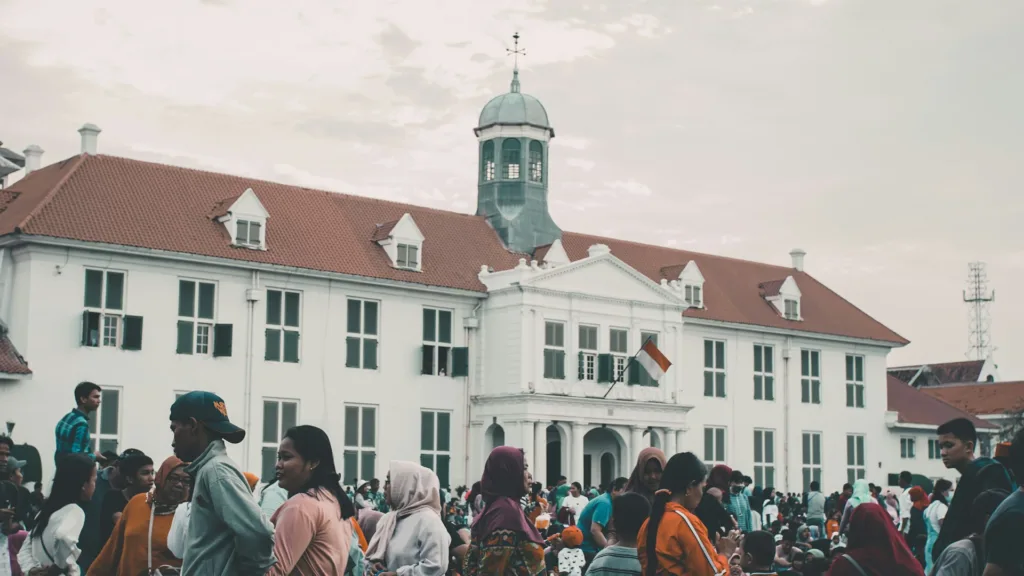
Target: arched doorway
653,438
555,455
495,437
607,468
602,449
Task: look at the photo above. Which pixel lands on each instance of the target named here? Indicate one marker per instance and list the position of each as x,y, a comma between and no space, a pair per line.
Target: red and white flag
653,360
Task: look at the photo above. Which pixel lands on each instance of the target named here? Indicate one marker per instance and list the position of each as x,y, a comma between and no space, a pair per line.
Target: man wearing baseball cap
227,533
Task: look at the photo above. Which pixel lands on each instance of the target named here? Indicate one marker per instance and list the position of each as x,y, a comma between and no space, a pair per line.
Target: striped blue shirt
615,561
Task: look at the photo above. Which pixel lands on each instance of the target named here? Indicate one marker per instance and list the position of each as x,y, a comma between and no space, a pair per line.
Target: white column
540,452
579,430
636,440
476,450
681,442
526,441
670,442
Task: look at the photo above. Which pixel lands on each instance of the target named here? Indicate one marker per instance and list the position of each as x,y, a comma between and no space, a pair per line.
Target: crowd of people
197,513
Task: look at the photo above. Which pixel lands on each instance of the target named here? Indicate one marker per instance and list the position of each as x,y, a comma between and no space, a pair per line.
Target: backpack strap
703,549
855,564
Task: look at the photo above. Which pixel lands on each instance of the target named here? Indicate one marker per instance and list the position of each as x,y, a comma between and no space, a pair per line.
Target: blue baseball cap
210,410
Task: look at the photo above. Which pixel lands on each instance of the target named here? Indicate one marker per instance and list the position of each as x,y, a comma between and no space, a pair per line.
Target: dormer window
248,234
408,257
784,296
792,309
692,293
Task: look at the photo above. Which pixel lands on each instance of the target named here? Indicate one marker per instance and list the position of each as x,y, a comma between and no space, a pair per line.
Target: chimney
798,259
33,158
598,250
89,132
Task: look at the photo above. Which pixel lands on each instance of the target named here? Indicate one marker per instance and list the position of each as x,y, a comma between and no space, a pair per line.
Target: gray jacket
227,533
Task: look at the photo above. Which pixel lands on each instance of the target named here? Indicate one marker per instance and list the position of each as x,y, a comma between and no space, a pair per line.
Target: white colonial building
418,334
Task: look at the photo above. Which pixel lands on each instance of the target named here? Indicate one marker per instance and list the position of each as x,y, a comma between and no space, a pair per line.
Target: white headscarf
413,489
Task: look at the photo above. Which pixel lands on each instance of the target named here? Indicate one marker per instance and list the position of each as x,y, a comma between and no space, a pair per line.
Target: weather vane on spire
516,52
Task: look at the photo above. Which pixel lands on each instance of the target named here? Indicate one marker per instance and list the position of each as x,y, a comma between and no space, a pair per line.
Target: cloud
581,163
570,142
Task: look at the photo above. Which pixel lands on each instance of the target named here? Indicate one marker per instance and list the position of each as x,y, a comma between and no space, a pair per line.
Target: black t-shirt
714,516
1003,535
113,503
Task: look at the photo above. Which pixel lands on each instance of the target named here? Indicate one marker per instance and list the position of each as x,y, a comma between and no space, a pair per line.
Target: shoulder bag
856,565
707,555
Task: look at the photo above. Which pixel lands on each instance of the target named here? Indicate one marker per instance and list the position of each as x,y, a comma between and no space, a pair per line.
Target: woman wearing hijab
861,495
712,508
646,475
917,534
892,506
411,537
138,543
874,547
502,540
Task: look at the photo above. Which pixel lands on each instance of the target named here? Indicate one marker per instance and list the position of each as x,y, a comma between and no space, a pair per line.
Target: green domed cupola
512,190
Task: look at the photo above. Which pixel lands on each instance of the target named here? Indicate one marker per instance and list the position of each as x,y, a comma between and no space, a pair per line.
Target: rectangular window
284,309
554,350
934,452
435,443
588,353
854,381
618,345
278,417
854,457
105,422
645,378
764,458
248,233
714,445
810,376
104,308
908,448
408,256
811,459
363,334
692,294
714,368
437,341
360,457
792,310
196,316
764,372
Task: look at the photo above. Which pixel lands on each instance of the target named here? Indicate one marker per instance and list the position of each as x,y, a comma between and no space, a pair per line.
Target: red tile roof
382,231
11,362
127,202
916,407
981,399
771,288
944,373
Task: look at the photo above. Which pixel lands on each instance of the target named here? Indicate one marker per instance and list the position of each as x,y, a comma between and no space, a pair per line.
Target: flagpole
625,369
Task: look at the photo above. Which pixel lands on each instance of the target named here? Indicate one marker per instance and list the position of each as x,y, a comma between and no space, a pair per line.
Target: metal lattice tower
978,297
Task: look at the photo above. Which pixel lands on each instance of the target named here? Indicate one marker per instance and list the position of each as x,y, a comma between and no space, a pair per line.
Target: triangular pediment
604,276
789,289
406,229
248,205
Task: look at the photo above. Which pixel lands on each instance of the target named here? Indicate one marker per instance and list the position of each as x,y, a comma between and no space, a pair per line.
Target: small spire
516,52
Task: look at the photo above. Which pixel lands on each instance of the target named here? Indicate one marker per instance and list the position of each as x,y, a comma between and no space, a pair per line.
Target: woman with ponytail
673,541
313,529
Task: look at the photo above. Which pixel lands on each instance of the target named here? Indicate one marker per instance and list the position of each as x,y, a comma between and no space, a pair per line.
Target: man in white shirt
575,501
904,501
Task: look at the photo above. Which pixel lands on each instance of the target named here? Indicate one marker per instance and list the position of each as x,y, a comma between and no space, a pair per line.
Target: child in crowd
629,511
571,559
757,554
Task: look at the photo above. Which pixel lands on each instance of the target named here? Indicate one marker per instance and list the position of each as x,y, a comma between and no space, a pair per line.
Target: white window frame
553,347
810,458
403,251
934,450
908,447
764,467
362,335
717,368
358,448
620,354
441,349
202,328
280,428
791,306
588,354
719,443
855,460
693,295
810,380
435,452
766,375
109,333
282,327
249,242
854,381
96,438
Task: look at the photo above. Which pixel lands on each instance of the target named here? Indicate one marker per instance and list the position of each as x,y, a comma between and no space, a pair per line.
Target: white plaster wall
920,464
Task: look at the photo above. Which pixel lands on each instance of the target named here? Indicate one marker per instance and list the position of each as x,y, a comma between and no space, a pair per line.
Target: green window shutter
429,324
94,288
579,361
442,470
369,354
115,290
132,338
185,336
605,368
560,364
427,361
444,424
207,292
634,373
272,349
186,298
460,362
90,329
291,309
426,430
222,337
444,326
274,307
291,346
370,318
352,352
427,461
355,315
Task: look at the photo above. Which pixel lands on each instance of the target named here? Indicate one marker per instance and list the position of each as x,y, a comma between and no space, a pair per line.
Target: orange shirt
127,550
831,527
363,545
678,550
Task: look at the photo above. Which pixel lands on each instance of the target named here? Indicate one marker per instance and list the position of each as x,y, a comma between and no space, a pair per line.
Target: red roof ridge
857,308
79,160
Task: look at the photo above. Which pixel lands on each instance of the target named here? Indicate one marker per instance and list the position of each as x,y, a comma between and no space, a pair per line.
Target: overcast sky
882,136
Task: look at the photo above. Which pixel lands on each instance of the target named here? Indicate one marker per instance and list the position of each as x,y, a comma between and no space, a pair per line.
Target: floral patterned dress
504,553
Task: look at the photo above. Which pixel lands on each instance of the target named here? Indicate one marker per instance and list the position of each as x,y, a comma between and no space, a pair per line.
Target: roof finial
515,52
